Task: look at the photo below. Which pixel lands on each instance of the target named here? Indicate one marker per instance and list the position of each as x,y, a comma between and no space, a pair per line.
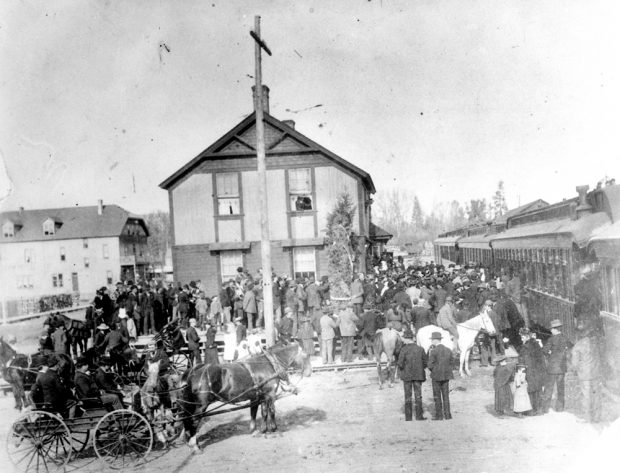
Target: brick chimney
100,207
265,98
583,208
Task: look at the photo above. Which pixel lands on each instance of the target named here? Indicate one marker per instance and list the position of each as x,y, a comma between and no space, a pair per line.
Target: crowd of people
403,299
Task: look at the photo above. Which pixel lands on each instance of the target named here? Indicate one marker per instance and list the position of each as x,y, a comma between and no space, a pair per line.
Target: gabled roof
536,204
377,233
74,222
231,145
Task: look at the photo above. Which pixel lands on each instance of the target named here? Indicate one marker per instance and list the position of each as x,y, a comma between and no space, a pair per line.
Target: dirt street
343,422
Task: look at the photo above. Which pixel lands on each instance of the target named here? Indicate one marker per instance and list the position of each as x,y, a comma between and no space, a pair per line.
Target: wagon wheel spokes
39,441
122,438
79,440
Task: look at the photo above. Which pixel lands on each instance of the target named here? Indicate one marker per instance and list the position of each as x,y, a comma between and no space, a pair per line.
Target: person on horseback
446,320
116,342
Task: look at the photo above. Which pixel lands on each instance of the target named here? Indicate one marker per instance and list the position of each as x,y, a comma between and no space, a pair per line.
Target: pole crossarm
260,42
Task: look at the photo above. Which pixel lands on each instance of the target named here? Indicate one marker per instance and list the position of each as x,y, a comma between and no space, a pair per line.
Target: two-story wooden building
215,213
74,250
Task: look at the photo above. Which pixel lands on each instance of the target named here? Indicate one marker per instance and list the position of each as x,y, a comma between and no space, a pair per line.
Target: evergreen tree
340,251
499,201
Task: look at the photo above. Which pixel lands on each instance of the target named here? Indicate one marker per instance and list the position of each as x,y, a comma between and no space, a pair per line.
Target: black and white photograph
297,236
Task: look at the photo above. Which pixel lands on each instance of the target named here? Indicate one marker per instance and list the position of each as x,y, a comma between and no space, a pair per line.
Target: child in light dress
521,397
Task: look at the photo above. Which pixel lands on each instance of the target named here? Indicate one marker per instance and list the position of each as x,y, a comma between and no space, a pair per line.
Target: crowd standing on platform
389,296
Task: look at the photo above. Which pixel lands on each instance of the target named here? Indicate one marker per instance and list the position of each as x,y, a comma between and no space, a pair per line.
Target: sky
106,99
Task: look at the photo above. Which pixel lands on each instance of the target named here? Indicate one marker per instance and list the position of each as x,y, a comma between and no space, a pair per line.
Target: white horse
467,331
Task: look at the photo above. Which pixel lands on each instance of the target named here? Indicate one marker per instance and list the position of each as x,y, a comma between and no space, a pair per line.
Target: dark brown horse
254,381
20,371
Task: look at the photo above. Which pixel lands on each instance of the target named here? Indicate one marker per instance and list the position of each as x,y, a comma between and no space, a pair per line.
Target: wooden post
262,187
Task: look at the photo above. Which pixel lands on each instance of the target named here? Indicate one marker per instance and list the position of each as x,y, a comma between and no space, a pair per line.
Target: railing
544,307
19,309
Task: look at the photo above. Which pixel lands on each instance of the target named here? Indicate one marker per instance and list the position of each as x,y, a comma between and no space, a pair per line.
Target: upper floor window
27,255
108,276
85,243
8,229
300,189
227,188
49,227
86,262
57,280
106,252
63,256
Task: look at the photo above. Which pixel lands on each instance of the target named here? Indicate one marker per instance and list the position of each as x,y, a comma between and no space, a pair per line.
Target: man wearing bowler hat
412,364
556,352
440,364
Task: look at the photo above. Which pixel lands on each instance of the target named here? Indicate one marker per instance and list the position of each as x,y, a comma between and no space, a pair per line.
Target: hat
408,334
449,298
521,365
44,334
524,331
81,361
288,310
436,336
102,326
499,358
555,323
239,319
122,313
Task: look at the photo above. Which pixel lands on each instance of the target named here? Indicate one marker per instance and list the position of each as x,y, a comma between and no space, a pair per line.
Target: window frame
86,262
294,192
226,276
308,250
106,251
222,195
49,227
63,254
85,243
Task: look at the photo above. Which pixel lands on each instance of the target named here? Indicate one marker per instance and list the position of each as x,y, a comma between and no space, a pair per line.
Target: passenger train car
553,248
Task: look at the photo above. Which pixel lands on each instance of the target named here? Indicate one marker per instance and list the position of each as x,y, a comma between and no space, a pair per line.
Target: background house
214,205
45,253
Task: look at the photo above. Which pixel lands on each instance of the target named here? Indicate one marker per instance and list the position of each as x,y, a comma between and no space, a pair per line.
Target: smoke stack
583,208
265,95
289,123
100,207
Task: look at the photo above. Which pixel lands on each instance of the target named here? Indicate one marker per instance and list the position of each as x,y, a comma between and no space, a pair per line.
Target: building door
74,282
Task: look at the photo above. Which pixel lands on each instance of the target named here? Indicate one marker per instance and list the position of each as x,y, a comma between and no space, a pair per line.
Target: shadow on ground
240,425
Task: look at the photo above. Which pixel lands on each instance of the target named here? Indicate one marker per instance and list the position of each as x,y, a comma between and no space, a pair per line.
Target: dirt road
343,422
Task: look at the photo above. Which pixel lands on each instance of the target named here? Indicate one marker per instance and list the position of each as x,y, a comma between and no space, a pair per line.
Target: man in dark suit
421,315
556,351
87,391
440,364
412,364
50,391
193,342
367,334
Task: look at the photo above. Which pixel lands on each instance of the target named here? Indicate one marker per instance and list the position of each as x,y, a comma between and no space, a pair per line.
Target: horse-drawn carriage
43,441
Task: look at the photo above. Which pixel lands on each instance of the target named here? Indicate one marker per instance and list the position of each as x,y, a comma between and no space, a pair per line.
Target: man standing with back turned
412,364
440,364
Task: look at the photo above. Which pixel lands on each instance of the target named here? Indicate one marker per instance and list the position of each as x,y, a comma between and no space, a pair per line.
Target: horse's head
6,351
486,322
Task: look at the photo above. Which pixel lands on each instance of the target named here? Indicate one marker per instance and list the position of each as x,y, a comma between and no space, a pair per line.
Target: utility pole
265,242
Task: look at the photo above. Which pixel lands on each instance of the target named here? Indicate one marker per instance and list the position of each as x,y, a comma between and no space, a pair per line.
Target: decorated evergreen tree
340,252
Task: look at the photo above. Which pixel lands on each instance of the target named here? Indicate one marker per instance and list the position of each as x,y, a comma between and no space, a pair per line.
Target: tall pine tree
340,252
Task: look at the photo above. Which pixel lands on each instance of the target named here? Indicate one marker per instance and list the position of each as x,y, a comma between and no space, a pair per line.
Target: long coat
556,350
347,323
249,302
312,293
369,324
412,362
440,363
534,359
327,327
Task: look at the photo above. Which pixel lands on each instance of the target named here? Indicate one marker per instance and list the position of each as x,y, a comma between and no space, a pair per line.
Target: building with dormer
74,250
215,211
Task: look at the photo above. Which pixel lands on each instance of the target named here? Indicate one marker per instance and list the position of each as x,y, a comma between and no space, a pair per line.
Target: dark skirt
211,356
503,399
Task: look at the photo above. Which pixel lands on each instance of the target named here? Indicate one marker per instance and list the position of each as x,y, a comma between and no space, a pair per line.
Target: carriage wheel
179,363
122,438
79,440
39,441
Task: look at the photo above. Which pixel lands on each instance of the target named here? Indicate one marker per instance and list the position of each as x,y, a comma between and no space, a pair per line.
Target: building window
24,282
108,276
300,189
227,185
106,252
86,263
8,229
63,256
85,243
57,280
304,263
49,227
230,261
28,255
